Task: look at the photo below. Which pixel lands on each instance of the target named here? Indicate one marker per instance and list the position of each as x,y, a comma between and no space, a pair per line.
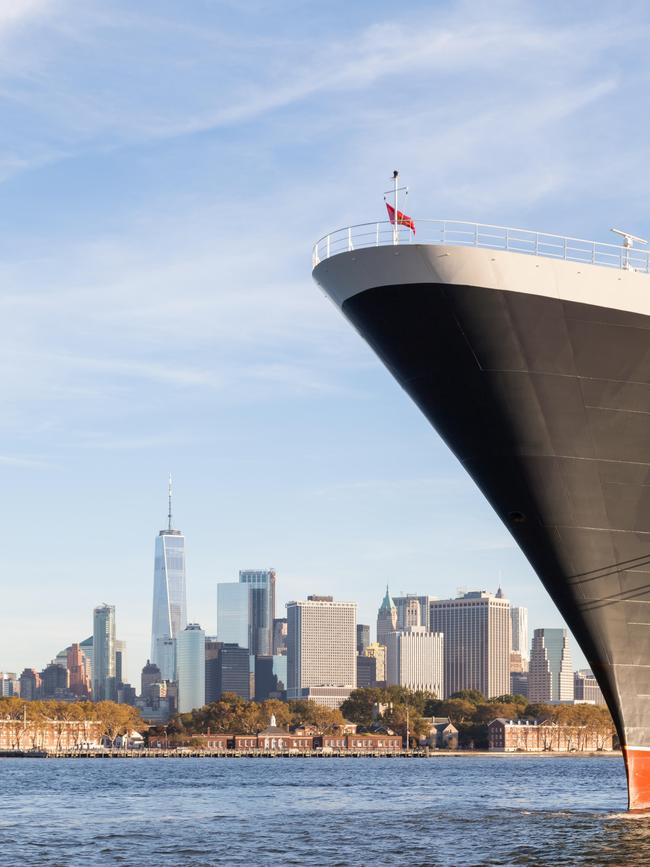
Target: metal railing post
350,247
327,246
377,234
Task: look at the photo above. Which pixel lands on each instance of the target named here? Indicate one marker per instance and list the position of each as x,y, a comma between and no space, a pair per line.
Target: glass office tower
169,617
233,613
261,584
104,684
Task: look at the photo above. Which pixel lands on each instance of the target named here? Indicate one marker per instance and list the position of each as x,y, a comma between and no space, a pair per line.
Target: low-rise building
443,734
49,735
533,736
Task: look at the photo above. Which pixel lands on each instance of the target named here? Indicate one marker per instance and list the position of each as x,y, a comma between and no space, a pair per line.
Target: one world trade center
169,596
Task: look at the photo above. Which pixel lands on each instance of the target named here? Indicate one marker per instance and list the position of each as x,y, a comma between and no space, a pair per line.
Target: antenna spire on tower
169,514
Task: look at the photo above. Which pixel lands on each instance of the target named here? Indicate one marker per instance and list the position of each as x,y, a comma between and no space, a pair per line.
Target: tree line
468,710
114,719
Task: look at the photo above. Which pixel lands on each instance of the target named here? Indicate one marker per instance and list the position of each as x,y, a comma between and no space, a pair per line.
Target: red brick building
49,735
360,743
531,736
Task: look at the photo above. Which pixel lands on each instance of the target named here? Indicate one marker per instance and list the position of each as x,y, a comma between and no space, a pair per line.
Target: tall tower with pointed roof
386,618
169,617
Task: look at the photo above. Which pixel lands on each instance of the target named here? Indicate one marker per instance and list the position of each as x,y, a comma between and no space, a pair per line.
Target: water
441,811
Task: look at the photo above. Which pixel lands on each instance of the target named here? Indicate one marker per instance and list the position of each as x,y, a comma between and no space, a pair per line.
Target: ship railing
457,233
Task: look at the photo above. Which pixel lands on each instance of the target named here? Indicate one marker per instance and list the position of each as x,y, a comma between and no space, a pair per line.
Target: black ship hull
546,403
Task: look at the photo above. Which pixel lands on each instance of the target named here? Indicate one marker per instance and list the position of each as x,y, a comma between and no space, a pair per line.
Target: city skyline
239,613
156,280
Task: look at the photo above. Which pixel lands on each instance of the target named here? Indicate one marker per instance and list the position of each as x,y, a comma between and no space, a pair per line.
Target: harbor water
340,811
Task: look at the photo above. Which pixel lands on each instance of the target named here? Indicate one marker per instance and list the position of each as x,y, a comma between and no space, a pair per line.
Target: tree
358,708
471,695
116,719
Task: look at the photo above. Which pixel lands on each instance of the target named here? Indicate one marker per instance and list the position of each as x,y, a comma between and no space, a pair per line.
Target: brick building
531,736
48,735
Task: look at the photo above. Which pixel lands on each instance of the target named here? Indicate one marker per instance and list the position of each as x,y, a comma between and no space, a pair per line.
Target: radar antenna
628,243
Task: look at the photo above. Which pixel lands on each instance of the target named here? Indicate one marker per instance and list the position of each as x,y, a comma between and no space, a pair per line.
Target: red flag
402,219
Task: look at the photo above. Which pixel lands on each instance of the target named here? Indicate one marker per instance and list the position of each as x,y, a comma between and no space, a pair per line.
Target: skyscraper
190,663
363,638
120,662
476,627
585,687
378,652
79,668
30,684
412,610
233,613
169,616
386,618
261,584
321,644
519,621
280,636
415,659
550,674
104,683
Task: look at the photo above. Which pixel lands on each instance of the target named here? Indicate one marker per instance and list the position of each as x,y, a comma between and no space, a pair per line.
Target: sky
165,169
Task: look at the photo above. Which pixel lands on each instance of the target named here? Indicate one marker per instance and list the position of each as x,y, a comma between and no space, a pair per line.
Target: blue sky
164,170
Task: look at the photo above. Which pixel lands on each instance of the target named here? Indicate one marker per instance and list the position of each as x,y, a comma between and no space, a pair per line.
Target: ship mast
395,192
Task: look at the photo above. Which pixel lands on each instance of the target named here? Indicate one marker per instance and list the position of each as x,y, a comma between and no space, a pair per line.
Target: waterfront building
190,663
443,734
169,616
366,672
585,687
30,684
233,613
378,653
532,736
519,631
412,610
79,671
386,618
321,644
550,673
363,638
150,675
261,584
104,682
476,627
415,659
49,735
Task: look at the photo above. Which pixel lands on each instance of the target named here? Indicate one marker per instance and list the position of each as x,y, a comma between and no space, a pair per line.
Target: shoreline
297,754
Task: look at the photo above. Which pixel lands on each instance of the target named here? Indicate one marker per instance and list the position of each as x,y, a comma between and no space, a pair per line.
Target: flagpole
395,223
